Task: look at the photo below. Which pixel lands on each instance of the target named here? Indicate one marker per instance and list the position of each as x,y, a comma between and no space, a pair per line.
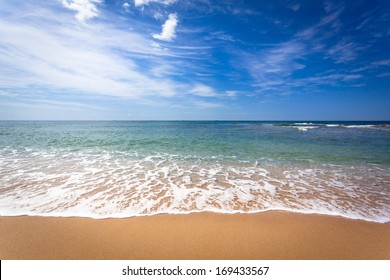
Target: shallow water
124,169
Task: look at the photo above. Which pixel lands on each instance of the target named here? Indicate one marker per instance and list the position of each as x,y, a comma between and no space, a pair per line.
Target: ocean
104,169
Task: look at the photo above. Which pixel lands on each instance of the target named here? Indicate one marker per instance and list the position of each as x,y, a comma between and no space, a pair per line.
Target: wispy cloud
225,7
375,65
163,70
383,62
139,3
275,63
47,109
387,74
332,79
168,32
86,9
330,5
345,50
203,91
288,67
223,36
328,26
5,93
231,93
39,103
295,7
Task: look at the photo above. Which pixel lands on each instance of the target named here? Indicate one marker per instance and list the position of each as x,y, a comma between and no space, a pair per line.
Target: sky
194,60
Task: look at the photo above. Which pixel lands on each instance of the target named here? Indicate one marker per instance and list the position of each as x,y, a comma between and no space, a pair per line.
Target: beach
269,235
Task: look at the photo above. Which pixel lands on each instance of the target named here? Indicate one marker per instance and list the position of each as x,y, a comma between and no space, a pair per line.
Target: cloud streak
140,3
203,91
344,51
269,67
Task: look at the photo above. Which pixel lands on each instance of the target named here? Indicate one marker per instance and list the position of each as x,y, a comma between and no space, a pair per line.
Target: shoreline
211,212
206,235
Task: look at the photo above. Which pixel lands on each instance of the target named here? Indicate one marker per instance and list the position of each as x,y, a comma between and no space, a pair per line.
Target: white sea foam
332,125
102,185
304,128
385,127
360,126
304,124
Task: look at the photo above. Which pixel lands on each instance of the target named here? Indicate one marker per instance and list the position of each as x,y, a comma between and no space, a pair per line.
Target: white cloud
138,3
60,58
168,32
126,5
203,91
86,9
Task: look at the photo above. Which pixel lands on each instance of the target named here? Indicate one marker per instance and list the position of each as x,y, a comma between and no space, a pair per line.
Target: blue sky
195,60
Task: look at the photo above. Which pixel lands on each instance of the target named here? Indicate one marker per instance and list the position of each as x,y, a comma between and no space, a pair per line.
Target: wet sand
269,235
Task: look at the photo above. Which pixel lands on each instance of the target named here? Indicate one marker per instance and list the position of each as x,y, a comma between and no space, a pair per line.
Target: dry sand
270,235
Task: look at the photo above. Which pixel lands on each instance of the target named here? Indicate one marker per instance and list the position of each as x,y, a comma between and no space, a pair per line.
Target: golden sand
269,235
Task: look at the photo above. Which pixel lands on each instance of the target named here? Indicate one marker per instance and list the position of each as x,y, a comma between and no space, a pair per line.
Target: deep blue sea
106,169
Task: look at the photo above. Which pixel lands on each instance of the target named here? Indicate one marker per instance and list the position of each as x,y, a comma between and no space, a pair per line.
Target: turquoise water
245,141
124,169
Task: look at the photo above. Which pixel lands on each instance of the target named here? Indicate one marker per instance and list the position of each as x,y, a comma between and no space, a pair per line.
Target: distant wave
305,126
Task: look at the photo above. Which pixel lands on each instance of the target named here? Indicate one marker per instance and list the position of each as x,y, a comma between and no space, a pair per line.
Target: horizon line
189,120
